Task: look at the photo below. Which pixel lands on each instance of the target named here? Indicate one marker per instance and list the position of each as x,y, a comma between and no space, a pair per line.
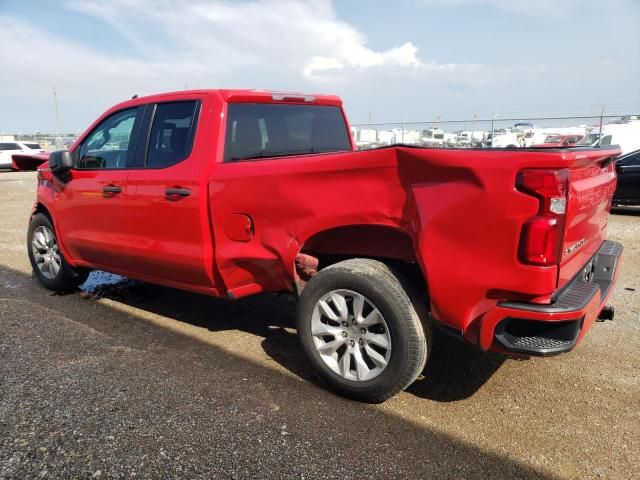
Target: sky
412,60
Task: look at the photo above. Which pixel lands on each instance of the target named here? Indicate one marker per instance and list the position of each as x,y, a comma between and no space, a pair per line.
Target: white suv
8,149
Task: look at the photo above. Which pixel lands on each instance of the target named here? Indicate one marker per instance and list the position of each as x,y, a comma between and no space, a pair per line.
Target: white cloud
305,34
301,45
357,56
279,44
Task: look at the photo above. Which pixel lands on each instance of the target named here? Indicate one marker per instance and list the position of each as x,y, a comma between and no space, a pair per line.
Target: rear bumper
536,329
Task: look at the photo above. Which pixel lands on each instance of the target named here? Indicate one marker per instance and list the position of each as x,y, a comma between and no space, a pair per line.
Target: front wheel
47,260
359,326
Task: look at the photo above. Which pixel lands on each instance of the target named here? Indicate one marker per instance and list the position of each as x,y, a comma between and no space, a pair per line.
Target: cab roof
249,96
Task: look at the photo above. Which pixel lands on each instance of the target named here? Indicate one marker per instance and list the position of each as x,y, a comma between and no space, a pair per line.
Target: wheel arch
40,207
390,245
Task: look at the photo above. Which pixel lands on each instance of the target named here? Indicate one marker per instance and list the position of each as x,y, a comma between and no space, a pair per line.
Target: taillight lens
541,237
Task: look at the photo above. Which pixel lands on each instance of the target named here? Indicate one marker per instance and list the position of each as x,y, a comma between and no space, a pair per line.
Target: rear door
267,147
163,192
90,205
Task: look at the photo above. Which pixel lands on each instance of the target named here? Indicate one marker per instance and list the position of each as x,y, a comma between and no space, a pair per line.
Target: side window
111,143
257,131
172,133
606,140
9,146
632,160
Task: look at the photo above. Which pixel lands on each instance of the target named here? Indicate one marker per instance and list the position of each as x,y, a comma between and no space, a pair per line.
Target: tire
381,350
47,262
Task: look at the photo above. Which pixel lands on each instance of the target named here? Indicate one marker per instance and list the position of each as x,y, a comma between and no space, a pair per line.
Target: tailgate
592,182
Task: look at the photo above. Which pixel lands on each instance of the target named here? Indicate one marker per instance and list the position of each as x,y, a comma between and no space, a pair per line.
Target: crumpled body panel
460,208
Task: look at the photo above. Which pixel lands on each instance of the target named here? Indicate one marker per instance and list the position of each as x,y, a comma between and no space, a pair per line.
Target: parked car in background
554,141
8,149
628,188
432,137
510,139
470,138
626,135
524,126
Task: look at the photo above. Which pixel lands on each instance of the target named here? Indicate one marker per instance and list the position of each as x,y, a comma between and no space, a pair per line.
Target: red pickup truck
235,192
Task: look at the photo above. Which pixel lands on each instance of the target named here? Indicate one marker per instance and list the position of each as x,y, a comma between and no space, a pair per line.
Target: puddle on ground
103,284
98,279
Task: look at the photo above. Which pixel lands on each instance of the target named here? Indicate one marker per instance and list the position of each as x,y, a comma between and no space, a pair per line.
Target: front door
90,203
629,179
164,196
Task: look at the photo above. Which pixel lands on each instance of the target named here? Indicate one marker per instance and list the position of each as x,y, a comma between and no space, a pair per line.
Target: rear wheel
359,326
47,260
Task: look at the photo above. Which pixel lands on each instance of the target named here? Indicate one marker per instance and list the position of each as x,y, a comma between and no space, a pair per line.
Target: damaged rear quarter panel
461,210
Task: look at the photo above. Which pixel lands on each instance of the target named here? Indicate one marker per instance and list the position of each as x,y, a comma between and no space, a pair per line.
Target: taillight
541,237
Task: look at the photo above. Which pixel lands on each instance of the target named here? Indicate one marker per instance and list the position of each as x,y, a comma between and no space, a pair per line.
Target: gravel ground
126,379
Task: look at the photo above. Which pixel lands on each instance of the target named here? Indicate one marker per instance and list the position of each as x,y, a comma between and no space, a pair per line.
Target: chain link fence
48,141
496,132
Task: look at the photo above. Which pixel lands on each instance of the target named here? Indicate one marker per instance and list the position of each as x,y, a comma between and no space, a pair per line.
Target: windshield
589,139
33,146
553,139
273,130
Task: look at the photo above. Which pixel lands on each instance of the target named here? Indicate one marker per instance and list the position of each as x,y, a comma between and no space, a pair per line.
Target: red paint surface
24,162
456,213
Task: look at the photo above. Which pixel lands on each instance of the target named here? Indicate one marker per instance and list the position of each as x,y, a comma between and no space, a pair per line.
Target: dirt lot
139,380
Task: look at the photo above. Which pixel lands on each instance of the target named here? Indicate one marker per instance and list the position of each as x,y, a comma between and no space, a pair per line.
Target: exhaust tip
607,313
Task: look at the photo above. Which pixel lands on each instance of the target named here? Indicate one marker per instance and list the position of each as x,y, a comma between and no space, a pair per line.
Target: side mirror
60,161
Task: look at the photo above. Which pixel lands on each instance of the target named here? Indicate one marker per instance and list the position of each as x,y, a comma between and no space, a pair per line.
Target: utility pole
492,129
473,129
600,132
55,102
369,119
404,120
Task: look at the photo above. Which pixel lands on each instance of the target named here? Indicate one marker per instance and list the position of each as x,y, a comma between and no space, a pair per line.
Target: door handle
109,191
176,193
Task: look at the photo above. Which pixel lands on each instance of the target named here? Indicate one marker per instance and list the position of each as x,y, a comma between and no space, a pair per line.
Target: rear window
589,139
274,130
9,146
172,133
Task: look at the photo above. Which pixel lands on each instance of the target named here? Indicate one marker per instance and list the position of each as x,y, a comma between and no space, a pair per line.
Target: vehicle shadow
455,370
215,393
626,211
